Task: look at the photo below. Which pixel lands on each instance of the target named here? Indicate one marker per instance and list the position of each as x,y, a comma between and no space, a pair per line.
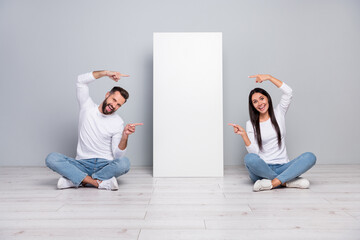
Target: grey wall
44,45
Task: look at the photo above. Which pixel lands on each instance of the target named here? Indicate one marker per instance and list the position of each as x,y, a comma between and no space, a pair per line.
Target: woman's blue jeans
258,169
77,170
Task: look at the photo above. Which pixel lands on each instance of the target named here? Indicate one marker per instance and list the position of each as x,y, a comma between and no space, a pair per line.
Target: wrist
245,137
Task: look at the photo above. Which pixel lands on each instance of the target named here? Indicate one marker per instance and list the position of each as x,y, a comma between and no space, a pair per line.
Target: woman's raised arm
263,77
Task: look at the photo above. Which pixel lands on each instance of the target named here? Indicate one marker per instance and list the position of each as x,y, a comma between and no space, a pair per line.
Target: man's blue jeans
258,169
77,170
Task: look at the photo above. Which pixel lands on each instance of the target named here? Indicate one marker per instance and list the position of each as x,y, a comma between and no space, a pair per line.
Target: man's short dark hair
122,91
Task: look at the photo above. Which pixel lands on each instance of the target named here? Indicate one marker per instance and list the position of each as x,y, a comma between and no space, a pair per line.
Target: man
102,139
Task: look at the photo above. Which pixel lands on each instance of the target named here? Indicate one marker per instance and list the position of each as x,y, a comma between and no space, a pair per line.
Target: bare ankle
90,180
275,182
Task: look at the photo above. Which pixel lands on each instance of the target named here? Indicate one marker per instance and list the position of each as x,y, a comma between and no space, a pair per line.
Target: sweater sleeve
117,152
253,147
82,89
285,98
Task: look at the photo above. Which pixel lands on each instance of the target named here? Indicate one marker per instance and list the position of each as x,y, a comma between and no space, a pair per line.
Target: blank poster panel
188,112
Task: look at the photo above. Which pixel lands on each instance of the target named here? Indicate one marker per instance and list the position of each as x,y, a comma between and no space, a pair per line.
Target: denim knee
51,159
310,158
123,165
251,159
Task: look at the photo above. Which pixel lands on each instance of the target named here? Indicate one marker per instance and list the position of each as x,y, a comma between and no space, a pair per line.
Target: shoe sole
115,187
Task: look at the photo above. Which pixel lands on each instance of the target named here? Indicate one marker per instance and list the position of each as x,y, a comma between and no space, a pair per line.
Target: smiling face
112,103
260,102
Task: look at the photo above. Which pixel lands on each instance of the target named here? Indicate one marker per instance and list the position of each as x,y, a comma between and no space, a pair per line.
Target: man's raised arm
111,74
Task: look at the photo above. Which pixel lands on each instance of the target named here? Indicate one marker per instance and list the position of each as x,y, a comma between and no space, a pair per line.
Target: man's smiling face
112,103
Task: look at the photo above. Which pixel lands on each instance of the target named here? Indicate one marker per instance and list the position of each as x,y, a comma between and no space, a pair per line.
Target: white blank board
188,106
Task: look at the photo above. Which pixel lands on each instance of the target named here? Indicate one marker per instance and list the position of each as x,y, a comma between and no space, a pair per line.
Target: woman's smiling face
260,102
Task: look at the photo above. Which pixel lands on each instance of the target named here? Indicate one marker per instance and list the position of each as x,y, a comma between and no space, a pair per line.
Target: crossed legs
88,171
278,173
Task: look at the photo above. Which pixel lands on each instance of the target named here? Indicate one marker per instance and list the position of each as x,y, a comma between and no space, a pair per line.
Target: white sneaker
110,184
298,183
65,183
263,184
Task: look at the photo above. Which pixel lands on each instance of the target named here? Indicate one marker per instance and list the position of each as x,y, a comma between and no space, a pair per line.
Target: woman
267,160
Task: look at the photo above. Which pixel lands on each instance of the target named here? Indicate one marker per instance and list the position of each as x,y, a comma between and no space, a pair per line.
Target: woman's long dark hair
255,117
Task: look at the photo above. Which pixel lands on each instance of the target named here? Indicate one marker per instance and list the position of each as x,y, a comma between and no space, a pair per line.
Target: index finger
124,75
232,124
252,76
136,124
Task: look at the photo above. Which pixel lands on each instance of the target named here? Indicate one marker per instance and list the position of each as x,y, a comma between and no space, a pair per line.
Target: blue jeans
258,169
77,170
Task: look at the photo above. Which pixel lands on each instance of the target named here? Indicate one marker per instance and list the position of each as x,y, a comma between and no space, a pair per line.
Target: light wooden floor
148,208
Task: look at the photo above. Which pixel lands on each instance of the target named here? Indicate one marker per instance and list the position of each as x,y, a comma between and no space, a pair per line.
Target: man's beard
103,108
